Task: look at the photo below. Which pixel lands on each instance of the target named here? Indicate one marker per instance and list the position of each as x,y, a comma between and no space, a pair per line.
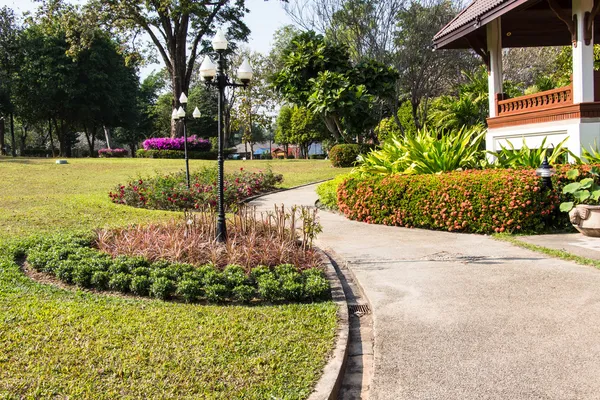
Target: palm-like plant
427,151
509,157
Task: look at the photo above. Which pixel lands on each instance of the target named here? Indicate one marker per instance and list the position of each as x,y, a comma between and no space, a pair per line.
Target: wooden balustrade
535,102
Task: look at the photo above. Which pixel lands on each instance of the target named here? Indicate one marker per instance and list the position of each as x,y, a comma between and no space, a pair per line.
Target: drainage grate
359,309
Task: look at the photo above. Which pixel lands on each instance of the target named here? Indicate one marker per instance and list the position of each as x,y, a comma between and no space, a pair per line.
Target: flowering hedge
112,153
170,192
179,154
193,143
488,201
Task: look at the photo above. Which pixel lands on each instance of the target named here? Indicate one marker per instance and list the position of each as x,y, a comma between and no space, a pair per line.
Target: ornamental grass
253,239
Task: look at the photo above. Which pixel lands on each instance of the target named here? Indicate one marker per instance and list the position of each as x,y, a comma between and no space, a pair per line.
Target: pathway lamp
214,75
179,113
545,171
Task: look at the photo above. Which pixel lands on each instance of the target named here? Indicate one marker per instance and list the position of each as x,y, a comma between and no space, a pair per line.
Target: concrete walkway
460,316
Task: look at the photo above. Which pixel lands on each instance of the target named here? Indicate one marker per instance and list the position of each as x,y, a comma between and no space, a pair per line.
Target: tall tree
9,49
178,29
319,75
306,128
424,73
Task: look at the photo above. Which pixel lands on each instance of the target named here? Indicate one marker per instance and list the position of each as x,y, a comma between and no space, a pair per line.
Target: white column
494,45
583,57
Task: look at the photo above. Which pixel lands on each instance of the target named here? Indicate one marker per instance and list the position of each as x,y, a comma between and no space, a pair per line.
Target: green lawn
38,195
73,344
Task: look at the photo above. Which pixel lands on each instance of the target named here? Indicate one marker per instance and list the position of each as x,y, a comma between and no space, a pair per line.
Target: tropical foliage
426,151
509,157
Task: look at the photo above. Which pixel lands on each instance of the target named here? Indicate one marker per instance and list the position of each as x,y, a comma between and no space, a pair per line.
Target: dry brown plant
254,238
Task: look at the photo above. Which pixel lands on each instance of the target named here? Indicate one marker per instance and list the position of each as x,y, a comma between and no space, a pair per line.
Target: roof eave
457,34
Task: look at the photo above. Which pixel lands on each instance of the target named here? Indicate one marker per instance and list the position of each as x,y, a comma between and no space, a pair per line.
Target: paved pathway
462,317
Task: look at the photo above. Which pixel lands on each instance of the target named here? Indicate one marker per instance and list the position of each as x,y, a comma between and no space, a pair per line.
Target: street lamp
208,72
177,114
545,171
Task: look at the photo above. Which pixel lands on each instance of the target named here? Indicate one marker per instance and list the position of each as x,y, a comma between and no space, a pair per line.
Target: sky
264,18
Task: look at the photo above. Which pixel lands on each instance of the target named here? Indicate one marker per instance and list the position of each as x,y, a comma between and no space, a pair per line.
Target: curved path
460,316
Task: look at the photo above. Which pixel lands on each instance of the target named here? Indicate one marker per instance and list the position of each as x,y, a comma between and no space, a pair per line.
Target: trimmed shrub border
488,201
72,261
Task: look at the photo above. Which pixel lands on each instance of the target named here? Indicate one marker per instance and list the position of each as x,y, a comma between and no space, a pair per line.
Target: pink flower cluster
112,153
193,143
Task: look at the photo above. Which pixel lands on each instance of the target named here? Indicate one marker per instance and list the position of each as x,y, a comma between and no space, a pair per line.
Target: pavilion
488,26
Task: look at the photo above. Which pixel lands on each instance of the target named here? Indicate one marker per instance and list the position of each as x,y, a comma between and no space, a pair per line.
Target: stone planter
586,219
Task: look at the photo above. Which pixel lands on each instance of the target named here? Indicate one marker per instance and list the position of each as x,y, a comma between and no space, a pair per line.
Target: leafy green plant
234,276
244,293
327,192
120,282
216,293
140,285
269,287
427,151
344,155
100,280
585,191
162,288
509,157
189,289
481,201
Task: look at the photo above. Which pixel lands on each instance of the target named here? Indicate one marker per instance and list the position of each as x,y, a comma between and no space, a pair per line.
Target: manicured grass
563,255
73,344
39,195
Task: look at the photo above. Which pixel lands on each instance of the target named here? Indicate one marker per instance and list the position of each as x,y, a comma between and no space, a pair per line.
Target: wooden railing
534,102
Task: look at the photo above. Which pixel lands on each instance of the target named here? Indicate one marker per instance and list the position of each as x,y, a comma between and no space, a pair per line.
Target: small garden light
545,171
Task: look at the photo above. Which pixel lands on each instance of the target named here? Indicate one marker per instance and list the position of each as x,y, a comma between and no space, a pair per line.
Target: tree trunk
13,143
2,133
22,140
108,136
252,150
50,136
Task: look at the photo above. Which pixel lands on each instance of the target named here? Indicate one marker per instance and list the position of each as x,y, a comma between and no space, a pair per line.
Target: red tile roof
471,13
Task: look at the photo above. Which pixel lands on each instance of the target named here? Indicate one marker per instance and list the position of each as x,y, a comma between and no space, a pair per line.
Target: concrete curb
328,386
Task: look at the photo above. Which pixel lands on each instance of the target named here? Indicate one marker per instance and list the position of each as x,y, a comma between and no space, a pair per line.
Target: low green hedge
327,191
71,259
487,201
195,155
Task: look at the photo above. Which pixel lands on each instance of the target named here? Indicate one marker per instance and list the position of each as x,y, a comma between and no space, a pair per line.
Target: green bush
344,155
269,287
216,293
292,287
234,276
485,201
316,286
64,271
317,156
140,285
81,265
82,275
259,271
327,192
244,293
100,280
120,282
162,288
189,289
194,155
170,192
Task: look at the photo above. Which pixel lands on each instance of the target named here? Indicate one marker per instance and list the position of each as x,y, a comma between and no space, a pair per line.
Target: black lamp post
181,114
208,72
545,171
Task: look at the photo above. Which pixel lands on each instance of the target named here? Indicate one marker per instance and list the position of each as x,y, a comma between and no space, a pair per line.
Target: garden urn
586,219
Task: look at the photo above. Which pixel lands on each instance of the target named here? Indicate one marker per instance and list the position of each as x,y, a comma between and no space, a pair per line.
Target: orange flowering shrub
480,201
